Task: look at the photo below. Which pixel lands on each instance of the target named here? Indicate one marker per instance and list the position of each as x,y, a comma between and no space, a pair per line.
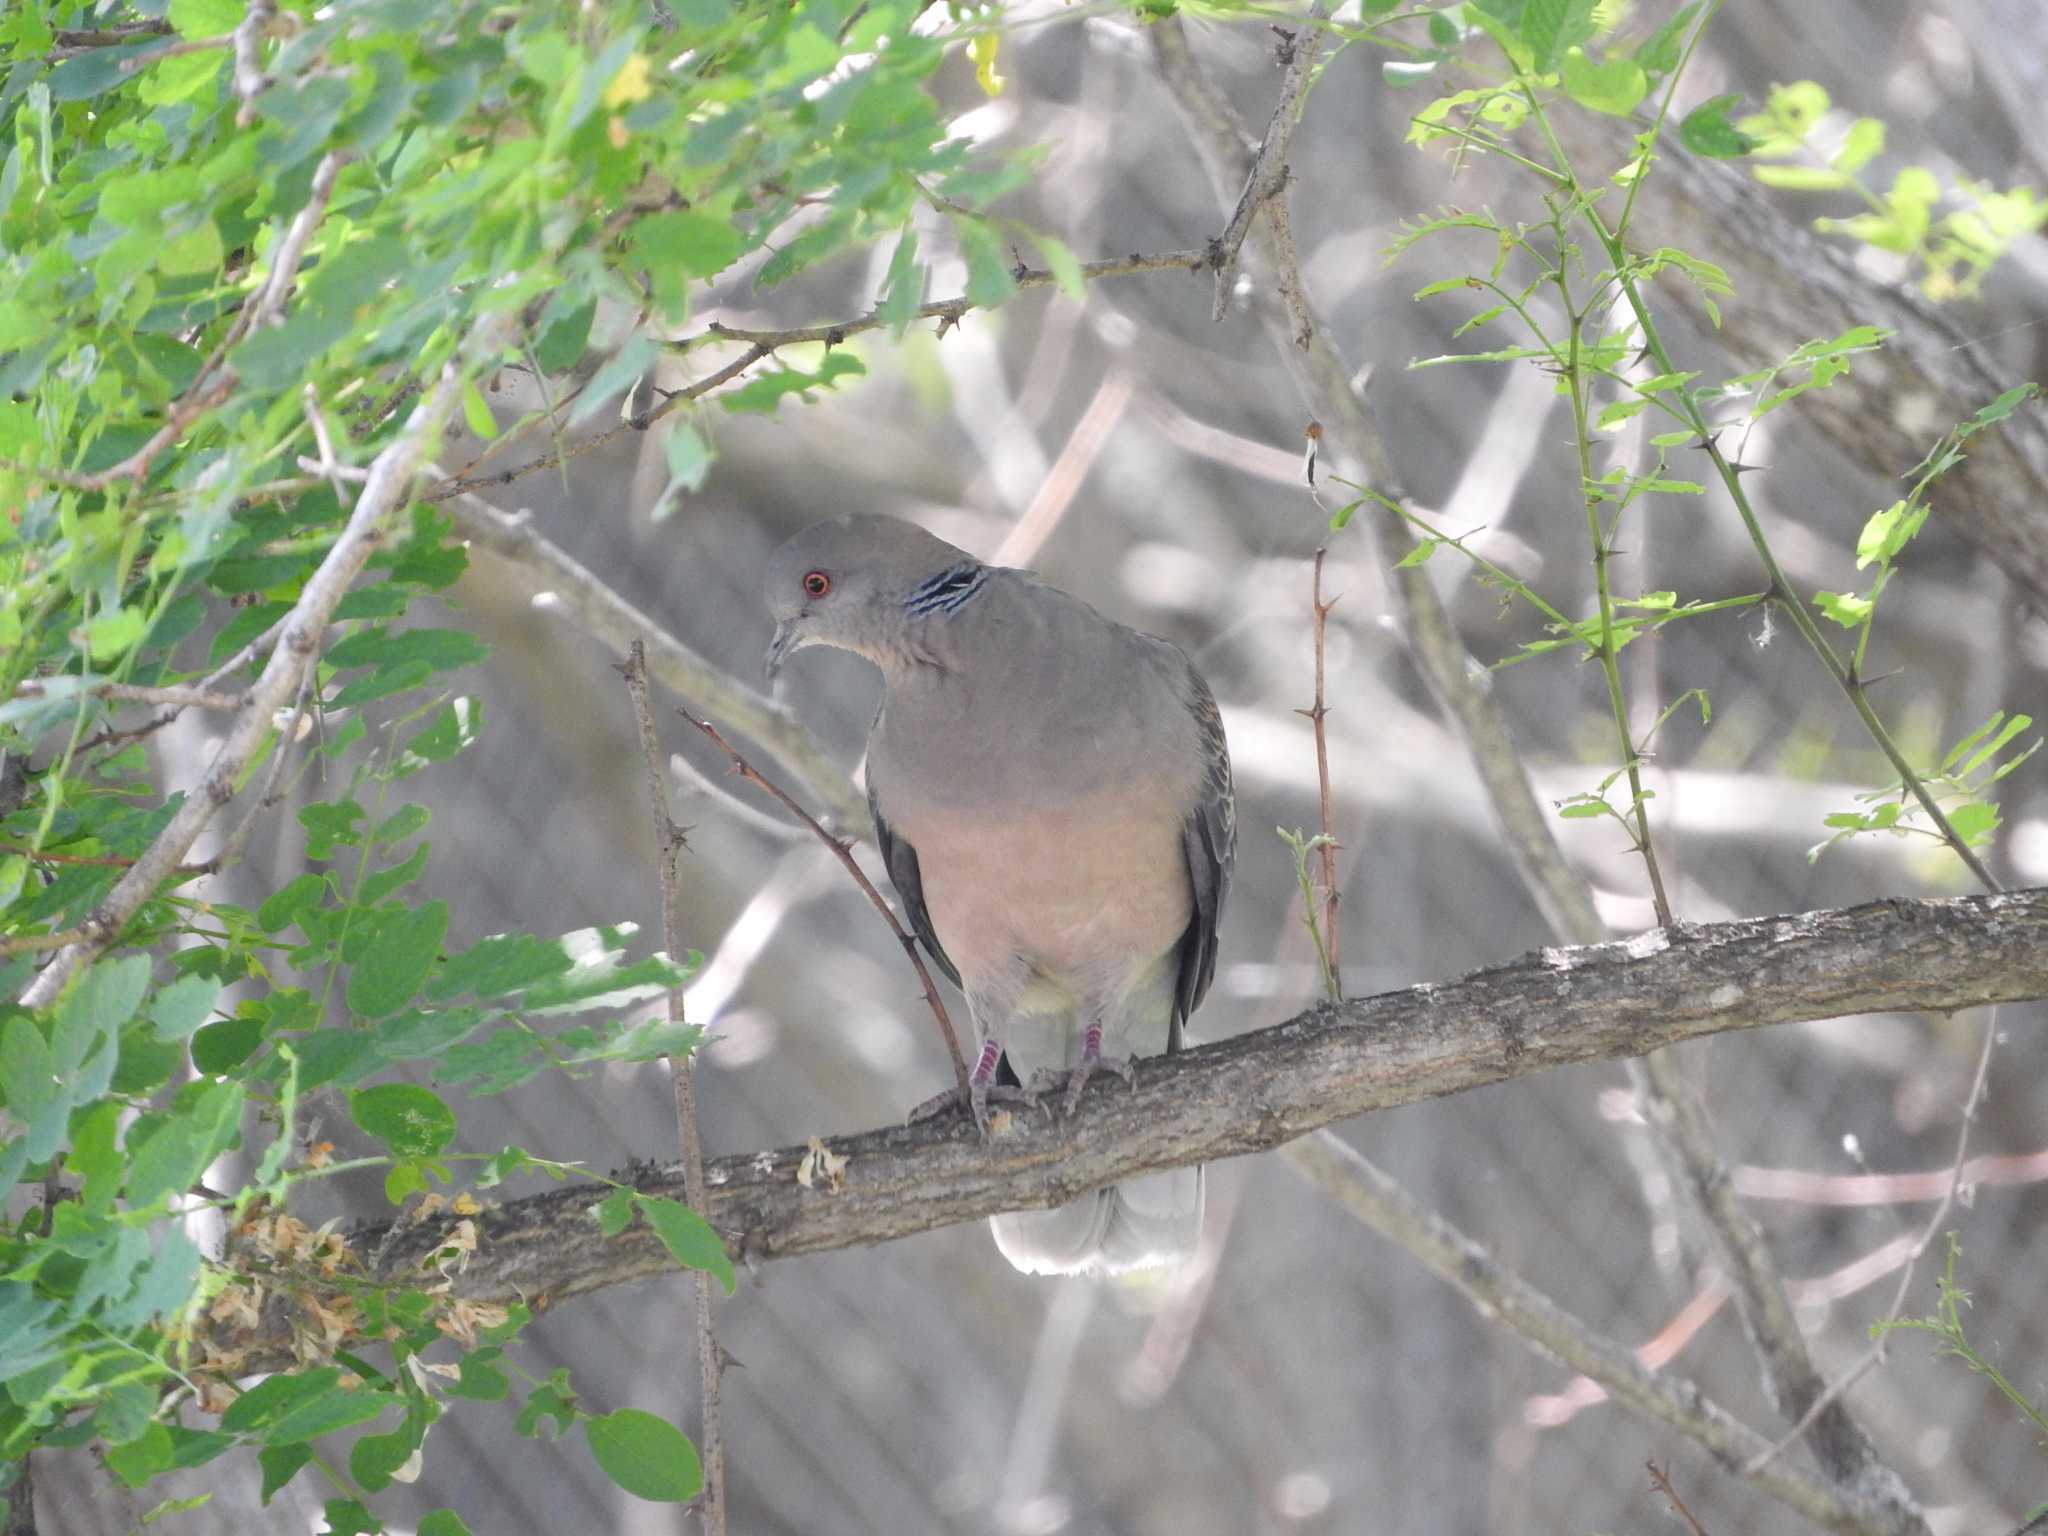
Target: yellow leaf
982,49
629,84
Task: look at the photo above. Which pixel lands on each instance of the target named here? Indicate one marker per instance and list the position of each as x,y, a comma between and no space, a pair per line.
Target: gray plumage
1052,799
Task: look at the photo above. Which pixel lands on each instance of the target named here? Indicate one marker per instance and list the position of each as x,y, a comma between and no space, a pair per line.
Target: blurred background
1303,1376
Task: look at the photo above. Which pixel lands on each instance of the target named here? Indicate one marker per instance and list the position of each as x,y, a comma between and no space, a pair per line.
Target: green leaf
347,1517
647,1456
764,394
111,635
1549,26
477,414
615,1211
1061,262
29,1083
397,959
183,1006
204,1120
481,1380
454,726
695,244
1660,51
280,1464
1616,87
1706,131
562,342
1863,143
1845,608
408,1119
989,281
1975,822
688,1237
282,907
441,1522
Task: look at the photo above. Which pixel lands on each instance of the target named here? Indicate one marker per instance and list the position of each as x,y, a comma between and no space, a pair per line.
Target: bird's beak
787,639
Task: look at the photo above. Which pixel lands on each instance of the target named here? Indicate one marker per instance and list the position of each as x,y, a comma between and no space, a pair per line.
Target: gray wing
900,859
1209,839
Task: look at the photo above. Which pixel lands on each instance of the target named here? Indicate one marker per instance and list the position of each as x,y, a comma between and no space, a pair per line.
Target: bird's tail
1143,1223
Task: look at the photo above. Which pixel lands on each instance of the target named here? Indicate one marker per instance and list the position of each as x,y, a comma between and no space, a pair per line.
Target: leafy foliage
239,248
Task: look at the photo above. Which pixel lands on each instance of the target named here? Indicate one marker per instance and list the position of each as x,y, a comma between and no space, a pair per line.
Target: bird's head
865,584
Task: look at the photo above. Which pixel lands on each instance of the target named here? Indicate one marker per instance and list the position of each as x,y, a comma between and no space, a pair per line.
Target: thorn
1707,444
1740,470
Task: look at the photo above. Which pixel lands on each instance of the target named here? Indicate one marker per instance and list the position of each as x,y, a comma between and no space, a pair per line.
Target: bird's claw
1076,1078
981,1095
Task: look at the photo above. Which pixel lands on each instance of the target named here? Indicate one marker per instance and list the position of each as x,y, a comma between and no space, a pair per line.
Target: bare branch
250,80
131,693
390,486
844,853
668,842
616,622
1660,1482
1268,173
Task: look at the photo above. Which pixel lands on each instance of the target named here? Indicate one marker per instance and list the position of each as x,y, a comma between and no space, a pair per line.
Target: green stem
1610,665
1847,676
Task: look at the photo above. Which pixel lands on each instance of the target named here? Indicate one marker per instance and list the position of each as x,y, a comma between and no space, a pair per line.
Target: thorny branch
1660,1482
1268,173
843,851
1327,848
668,843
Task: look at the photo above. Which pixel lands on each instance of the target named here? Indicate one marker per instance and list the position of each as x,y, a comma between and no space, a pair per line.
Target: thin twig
668,843
134,693
136,62
108,37
1875,1355
390,487
1660,1482
1503,1297
763,344
843,851
1327,844
608,616
1268,172
250,80
238,840
35,943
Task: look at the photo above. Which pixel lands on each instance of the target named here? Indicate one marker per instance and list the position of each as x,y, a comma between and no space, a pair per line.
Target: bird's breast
1075,889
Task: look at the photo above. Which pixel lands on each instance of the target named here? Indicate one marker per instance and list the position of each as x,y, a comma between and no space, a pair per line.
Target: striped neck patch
945,592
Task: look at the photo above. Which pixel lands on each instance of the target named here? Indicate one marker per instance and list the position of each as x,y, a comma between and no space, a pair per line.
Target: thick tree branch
1551,1008
607,615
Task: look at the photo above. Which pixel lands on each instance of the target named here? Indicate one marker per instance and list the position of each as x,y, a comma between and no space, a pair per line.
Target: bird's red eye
817,583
